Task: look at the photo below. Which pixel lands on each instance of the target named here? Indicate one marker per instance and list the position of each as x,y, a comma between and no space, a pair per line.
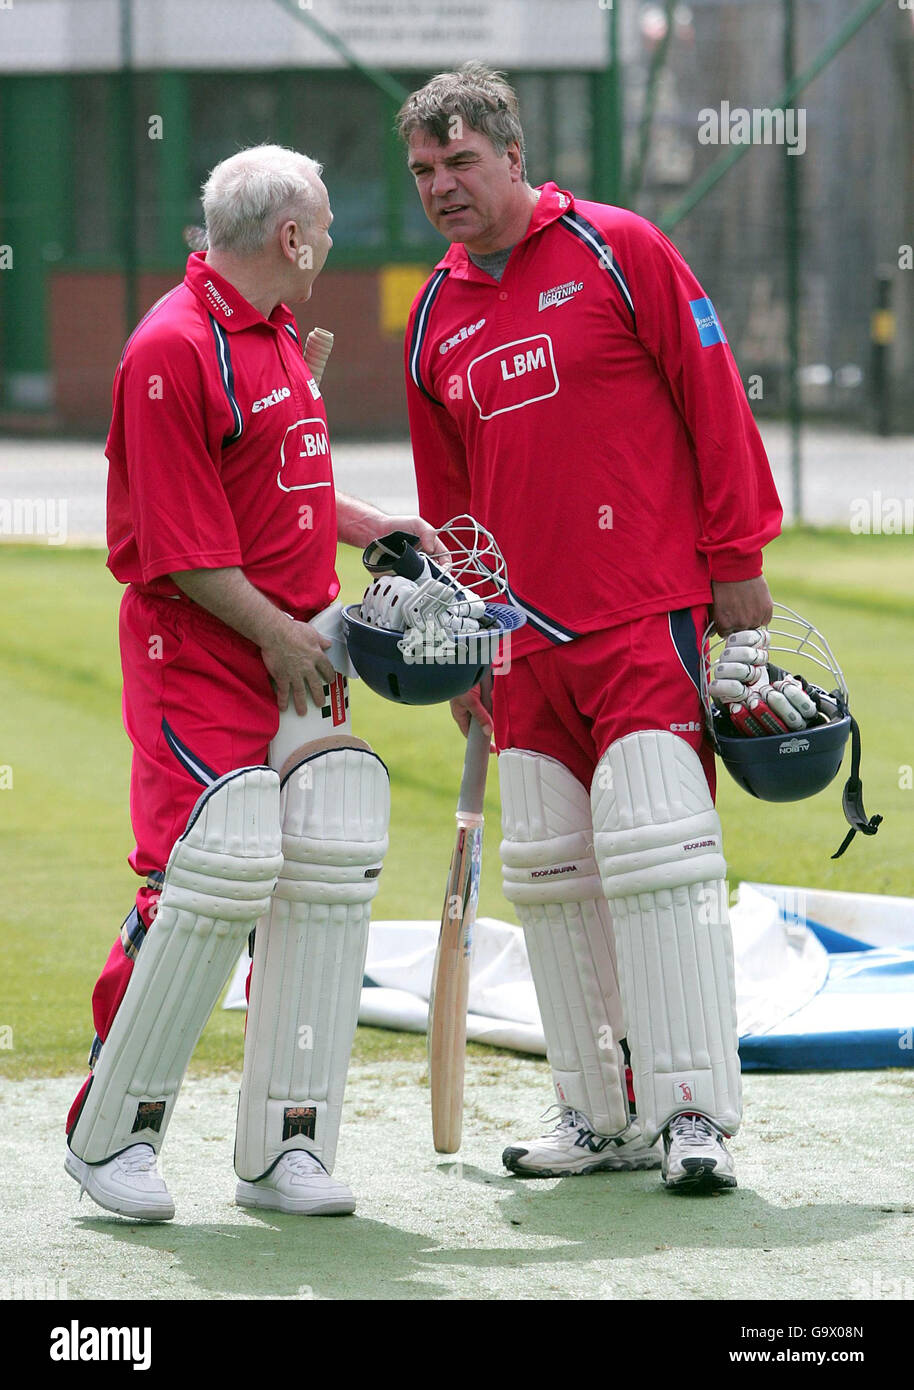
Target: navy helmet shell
425,670
785,767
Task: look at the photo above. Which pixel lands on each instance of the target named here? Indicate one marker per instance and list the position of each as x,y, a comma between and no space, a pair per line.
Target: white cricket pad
551,876
309,955
658,843
218,881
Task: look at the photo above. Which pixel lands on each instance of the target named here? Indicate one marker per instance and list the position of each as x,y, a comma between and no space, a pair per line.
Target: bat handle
318,345
473,782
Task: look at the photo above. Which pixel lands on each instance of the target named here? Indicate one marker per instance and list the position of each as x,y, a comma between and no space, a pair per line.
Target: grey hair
481,97
248,196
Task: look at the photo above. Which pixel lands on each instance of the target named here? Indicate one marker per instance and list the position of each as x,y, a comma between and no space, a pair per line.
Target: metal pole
736,152
381,79
655,71
882,333
792,234
127,104
607,146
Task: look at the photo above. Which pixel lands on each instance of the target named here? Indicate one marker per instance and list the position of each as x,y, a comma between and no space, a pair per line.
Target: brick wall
363,389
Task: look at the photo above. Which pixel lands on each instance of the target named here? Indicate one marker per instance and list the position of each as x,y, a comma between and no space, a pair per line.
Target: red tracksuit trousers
197,703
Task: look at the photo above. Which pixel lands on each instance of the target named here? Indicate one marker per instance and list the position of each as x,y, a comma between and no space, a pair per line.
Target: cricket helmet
422,662
795,765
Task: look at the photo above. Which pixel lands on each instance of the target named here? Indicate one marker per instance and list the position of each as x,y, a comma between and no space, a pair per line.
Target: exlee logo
279,393
75,1343
466,332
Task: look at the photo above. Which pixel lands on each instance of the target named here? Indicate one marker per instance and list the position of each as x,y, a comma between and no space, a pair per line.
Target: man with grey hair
569,383
223,523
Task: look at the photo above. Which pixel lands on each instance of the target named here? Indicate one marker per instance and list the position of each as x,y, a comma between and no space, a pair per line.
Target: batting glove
756,705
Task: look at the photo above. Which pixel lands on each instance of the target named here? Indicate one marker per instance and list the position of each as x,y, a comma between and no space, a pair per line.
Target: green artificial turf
64,763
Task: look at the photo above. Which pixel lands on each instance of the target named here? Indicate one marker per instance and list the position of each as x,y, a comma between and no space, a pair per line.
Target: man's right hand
294,655
465,707
292,652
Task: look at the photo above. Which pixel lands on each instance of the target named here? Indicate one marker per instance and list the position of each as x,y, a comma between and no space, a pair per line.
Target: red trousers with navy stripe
197,703
572,701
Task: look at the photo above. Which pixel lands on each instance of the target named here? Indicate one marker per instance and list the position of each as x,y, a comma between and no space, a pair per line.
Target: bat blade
447,1034
447,1029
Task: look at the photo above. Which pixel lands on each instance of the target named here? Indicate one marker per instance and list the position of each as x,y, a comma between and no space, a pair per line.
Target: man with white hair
223,523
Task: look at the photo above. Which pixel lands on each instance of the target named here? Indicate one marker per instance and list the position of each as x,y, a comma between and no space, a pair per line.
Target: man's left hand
428,536
740,604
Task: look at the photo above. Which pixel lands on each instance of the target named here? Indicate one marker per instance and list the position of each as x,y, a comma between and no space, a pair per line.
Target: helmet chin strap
852,796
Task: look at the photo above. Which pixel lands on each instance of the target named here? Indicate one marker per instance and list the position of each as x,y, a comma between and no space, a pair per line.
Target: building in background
113,111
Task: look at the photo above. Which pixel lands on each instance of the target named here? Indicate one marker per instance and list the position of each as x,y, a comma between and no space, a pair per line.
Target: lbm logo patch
707,322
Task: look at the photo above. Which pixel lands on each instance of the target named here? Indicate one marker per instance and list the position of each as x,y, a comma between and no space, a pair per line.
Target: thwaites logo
512,376
304,456
216,299
466,332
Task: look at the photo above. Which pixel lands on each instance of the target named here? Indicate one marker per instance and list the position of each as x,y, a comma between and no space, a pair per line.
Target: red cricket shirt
588,411
218,450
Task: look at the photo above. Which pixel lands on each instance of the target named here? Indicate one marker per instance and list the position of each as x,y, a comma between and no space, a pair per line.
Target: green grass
64,882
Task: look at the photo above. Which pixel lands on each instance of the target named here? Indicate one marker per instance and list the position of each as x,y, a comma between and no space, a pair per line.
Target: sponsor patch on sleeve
707,322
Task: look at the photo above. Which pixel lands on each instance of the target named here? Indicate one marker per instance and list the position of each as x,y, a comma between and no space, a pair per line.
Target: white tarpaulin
780,966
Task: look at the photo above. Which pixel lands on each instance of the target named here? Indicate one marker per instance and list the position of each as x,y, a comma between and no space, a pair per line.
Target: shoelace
692,1130
568,1118
142,1162
301,1161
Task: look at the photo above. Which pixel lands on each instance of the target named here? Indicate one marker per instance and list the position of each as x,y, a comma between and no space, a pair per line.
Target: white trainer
128,1184
573,1147
298,1184
695,1158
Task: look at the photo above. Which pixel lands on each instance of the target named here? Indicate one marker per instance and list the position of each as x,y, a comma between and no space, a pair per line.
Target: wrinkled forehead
425,147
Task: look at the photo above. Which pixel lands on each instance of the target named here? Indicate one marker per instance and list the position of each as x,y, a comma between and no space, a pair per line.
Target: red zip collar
552,204
220,298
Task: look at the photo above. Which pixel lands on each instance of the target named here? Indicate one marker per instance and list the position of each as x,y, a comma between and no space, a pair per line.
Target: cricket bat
447,1010
318,346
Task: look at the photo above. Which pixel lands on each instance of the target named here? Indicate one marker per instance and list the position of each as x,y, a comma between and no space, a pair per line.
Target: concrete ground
824,1209
839,468
825,1206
